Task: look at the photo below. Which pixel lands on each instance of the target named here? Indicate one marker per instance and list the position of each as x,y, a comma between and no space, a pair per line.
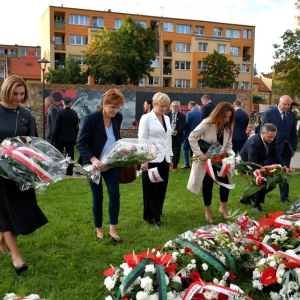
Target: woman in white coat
217,127
155,127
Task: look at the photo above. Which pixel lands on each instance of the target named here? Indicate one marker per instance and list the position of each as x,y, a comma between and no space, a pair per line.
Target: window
79,58
221,48
201,65
246,34
246,68
217,31
118,23
202,47
267,96
182,65
2,51
183,29
98,22
235,51
199,30
59,40
180,47
232,33
153,80
78,40
168,26
244,85
79,20
59,19
24,52
154,63
201,84
182,83
37,53
142,23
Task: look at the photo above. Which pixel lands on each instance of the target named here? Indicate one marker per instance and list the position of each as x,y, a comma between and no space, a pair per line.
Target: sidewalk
295,163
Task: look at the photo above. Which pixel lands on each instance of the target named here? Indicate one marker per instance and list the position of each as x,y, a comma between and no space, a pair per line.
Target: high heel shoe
116,239
210,220
20,269
225,217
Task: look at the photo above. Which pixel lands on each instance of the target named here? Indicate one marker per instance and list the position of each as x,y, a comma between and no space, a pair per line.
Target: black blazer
180,126
206,110
66,126
92,137
240,126
254,151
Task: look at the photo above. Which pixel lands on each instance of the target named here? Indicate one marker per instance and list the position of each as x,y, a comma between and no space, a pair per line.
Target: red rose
295,234
270,174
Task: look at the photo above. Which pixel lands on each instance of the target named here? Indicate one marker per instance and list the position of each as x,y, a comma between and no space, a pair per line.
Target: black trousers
176,148
154,193
207,188
69,148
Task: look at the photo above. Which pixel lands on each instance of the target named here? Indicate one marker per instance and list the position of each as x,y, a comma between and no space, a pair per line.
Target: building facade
262,90
20,60
181,44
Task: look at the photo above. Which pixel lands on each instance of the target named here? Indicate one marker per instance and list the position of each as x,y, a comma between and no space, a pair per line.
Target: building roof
269,76
261,86
27,68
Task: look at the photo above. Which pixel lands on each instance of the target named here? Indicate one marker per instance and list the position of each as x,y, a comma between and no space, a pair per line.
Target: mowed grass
65,260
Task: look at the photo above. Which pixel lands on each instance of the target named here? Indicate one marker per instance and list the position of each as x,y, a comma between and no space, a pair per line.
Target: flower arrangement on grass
12,296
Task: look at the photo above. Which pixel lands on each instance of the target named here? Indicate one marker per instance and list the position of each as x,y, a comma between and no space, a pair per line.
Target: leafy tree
255,71
258,100
122,55
71,73
219,71
287,65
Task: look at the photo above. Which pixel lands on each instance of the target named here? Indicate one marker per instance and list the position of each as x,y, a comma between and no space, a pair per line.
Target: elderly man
178,125
256,150
51,117
286,138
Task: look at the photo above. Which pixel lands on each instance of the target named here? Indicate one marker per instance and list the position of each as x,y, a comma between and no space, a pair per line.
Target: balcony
59,47
3,55
59,25
167,53
167,71
246,57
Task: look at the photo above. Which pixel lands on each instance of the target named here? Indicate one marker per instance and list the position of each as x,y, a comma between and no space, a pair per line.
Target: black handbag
204,146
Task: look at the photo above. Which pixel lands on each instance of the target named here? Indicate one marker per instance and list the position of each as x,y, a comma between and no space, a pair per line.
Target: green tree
71,73
258,100
287,64
219,72
255,71
122,55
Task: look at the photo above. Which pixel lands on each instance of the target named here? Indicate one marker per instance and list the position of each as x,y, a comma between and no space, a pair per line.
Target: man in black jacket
66,131
178,125
257,148
208,107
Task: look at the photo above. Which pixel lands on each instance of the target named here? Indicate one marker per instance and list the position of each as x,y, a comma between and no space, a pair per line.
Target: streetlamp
43,63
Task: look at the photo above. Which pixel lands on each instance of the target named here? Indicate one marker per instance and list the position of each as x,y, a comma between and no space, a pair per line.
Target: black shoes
285,200
186,167
257,209
155,223
245,201
116,239
20,269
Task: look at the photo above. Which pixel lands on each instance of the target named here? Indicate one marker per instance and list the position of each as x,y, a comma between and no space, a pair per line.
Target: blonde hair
161,99
8,89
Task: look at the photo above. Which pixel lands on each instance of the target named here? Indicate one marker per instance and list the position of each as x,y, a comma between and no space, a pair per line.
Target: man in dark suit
66,131
192,121
178,125
51,117
286,138
208,107
239,136
257,148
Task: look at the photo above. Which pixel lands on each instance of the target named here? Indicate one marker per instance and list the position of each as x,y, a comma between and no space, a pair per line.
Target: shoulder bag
204,146
127,174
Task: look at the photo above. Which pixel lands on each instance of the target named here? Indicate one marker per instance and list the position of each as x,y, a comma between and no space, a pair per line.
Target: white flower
153,297
109,283
127,271
205,267
168,244
147,284
150,268
175,278
275,296
137,281
280,271
266,239
215,281
108,298
33,297
141,295
279,280
238,159
273,264
9,296
261,262
167,280
208,295
222,282
124,266
257,284
171,296
189,266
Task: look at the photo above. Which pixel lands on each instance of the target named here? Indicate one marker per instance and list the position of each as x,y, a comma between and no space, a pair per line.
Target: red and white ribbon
222,173
285,221
198,287
204,234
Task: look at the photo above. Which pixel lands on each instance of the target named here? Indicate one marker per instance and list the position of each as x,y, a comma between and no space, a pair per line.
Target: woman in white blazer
217,127
155,127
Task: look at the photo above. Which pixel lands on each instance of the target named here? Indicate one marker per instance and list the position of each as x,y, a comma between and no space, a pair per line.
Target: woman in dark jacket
99,131
19,212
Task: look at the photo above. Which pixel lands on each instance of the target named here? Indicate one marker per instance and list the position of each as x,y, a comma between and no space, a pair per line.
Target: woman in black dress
19,212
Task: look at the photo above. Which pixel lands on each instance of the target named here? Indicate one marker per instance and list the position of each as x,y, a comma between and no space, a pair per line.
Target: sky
20,20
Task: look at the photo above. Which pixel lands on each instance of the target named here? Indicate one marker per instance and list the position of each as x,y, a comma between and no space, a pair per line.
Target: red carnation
195,276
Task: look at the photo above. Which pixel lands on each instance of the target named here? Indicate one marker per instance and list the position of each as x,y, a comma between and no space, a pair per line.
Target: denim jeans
187,152
111,178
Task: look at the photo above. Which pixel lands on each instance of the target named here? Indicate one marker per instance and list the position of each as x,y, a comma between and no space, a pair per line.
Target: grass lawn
65,260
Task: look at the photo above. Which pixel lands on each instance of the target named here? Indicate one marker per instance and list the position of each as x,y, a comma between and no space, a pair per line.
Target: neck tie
173,118
284,119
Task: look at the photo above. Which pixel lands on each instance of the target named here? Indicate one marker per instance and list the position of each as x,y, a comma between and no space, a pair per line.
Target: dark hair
268,127
149,101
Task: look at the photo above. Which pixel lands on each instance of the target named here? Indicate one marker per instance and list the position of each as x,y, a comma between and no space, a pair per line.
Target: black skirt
19,211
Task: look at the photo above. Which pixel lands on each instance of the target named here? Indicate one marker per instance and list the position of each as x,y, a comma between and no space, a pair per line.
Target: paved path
295,163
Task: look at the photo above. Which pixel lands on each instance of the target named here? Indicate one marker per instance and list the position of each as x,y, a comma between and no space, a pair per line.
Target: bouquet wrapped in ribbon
31,162
124,153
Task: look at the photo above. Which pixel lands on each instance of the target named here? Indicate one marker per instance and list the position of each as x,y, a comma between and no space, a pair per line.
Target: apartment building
20,60
262,90
181,44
